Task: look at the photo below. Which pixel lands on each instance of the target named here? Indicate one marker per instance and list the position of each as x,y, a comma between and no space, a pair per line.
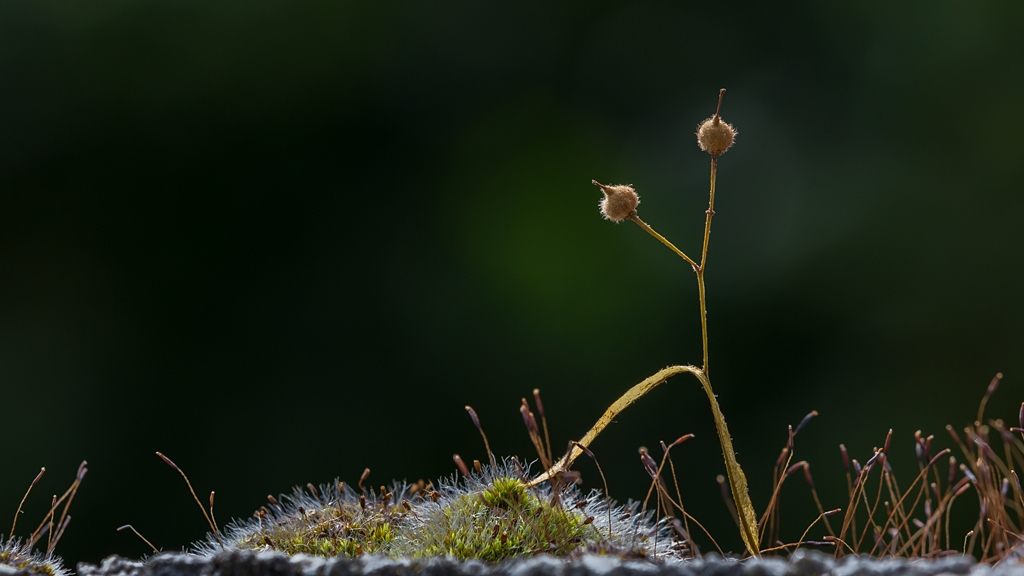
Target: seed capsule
619,201
714,135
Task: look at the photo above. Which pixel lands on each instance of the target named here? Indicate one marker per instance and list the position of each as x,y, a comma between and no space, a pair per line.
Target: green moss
342,529
502,521
21,559
490,518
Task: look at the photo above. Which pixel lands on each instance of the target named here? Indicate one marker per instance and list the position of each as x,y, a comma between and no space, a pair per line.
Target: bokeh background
282,242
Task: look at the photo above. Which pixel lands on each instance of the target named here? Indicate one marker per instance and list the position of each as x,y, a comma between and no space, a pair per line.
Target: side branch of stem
662,239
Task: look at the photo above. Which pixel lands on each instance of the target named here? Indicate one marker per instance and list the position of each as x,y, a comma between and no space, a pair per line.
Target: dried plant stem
768,521
704,262
822,516
631,396
209,521
129,527
603,480
14,524
38,533
737,480
686,522
62,523
662,239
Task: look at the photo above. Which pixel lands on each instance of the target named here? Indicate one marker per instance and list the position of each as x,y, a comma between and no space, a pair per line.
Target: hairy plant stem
704,261
737,480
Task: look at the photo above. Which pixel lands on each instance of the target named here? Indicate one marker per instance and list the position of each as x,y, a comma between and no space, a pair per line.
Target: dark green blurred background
282,242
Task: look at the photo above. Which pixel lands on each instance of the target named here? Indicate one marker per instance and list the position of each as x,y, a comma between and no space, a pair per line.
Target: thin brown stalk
817,501
966,536
141,537
768,519
603,481
841,541
209,521
79,476
973,538
821,516
38,532
897,511
851,509
804,543
49,533
723,487
544,423
988,394
487,446
531,428
874,507
686,515
905,524
704,259
934,520
213,518
60,532
868,522
921,475
17,512
679,496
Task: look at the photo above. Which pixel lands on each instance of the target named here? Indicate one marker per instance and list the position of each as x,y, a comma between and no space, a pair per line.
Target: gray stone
801,563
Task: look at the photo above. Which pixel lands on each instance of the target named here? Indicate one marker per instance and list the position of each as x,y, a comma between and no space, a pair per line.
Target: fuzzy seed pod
619,202
715,136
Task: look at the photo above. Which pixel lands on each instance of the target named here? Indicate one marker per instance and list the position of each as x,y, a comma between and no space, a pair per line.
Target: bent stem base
737,480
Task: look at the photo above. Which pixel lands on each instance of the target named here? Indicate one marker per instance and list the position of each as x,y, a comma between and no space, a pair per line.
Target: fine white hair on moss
491,516
18,555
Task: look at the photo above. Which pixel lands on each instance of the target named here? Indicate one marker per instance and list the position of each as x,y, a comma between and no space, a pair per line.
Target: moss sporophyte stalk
22,554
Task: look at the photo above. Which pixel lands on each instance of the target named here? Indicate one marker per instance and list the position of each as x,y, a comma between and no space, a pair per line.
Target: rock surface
803,563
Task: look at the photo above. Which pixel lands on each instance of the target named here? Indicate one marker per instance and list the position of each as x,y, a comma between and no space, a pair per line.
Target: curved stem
662,239
737,480
631,396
